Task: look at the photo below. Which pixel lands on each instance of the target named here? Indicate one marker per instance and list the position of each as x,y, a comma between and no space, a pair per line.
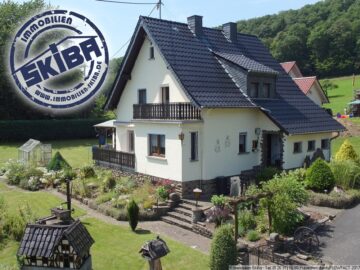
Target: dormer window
254,89
266,90
151,52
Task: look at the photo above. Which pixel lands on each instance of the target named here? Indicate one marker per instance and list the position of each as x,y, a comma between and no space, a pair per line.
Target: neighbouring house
196,103
310,86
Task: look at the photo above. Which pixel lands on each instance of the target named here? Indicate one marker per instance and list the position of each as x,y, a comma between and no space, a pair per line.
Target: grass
116,247
76,152
341,96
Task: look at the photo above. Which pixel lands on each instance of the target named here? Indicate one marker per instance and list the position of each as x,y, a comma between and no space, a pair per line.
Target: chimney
230,31
195,24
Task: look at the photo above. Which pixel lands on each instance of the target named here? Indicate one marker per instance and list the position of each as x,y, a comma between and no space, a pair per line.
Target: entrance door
272,150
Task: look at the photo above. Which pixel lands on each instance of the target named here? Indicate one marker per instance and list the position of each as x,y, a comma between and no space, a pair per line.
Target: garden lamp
197,192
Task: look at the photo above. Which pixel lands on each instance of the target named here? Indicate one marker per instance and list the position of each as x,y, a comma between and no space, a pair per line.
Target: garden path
186,237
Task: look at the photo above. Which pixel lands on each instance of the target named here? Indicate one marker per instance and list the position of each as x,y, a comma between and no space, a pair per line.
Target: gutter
333,138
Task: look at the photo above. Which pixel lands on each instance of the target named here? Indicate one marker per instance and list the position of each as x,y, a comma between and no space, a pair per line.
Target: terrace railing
114,157
170,111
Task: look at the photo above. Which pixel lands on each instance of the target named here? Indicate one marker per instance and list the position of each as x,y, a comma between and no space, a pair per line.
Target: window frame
165,94
269,90
151,52
194,146
131,141
314,146
158,146
300,148
327,147
142,91
253,83
242,134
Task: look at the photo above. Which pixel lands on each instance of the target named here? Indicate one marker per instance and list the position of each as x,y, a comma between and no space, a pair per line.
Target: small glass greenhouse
33,152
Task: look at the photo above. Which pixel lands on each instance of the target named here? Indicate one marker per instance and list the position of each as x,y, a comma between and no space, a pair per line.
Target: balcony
113,158
168,111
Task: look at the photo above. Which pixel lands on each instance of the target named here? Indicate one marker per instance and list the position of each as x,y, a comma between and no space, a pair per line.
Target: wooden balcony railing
171,111
114,157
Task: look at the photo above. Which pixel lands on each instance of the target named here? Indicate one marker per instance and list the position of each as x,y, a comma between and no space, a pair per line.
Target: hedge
22,130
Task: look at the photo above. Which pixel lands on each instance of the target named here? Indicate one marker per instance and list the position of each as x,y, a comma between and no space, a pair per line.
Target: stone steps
184,211
180,216
177,222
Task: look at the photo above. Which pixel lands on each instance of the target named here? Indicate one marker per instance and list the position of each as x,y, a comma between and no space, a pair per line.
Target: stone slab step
176,222
184,211
180,216
185,206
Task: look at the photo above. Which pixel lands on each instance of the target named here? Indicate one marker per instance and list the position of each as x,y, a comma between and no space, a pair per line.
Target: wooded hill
324,38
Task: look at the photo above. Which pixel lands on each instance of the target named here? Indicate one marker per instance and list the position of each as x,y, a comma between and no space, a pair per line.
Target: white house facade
191,115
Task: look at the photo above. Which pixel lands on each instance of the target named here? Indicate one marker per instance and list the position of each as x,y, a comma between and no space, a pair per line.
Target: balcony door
165,95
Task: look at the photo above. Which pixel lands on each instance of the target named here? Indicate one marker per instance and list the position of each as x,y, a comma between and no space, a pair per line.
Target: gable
149,74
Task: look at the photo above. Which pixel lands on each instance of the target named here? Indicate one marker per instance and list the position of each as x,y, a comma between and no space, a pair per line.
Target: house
56,242
310,86
196,103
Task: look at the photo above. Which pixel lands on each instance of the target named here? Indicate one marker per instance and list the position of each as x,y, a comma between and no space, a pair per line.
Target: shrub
223,249
346,152
162,193
15,172
109,183
58,163
247,220
119,203
335,200
266,174
346,173
133,214
287,195
105,197
252,236
88,171
218,200
298,174
14,226
217,214
319,176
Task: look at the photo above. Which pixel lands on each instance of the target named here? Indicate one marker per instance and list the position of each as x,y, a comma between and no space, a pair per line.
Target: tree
328,85
133,214
223,248
58,163
346,152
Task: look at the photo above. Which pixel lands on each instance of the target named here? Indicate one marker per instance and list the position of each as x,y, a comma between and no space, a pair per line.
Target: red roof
305,83
287,66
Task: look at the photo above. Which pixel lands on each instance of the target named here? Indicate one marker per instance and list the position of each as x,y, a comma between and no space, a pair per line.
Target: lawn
76,152
341,96
116,247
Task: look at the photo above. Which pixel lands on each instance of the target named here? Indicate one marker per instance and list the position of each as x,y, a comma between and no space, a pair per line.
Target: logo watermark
59,60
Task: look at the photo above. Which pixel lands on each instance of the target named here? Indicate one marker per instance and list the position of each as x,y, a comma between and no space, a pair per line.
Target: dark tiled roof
196,64
246,63
41,240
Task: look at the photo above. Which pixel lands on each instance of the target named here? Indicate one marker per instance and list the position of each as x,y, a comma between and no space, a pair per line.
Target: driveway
340,240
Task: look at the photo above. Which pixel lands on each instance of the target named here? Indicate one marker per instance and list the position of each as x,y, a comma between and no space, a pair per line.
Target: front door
272,150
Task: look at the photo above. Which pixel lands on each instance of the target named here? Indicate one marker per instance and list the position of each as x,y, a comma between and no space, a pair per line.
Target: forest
324,38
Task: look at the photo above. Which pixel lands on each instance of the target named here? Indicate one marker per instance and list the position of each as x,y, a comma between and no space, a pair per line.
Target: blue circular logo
59,60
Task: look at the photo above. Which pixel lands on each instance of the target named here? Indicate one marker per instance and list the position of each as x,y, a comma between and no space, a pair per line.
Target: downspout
336,136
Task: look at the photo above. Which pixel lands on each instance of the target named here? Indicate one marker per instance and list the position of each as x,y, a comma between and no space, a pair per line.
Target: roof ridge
305,77
182,23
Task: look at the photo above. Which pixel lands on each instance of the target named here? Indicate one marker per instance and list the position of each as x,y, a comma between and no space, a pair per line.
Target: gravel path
186,237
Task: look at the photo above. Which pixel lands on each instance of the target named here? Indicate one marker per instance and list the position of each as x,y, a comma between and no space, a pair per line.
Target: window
165,96
157,145
194,146
254,90
142,96
297,147
266,90
311,145
242,143
151,53
325,144
131,140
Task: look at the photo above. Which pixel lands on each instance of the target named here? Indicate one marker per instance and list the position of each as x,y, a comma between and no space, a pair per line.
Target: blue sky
117,21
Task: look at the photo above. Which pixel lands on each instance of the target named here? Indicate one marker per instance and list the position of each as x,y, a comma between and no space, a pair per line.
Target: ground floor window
325,144
242,143
157,145
297,147
194,146
311,145
131,140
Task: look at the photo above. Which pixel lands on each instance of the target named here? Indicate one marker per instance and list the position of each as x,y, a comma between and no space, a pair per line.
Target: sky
117,21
